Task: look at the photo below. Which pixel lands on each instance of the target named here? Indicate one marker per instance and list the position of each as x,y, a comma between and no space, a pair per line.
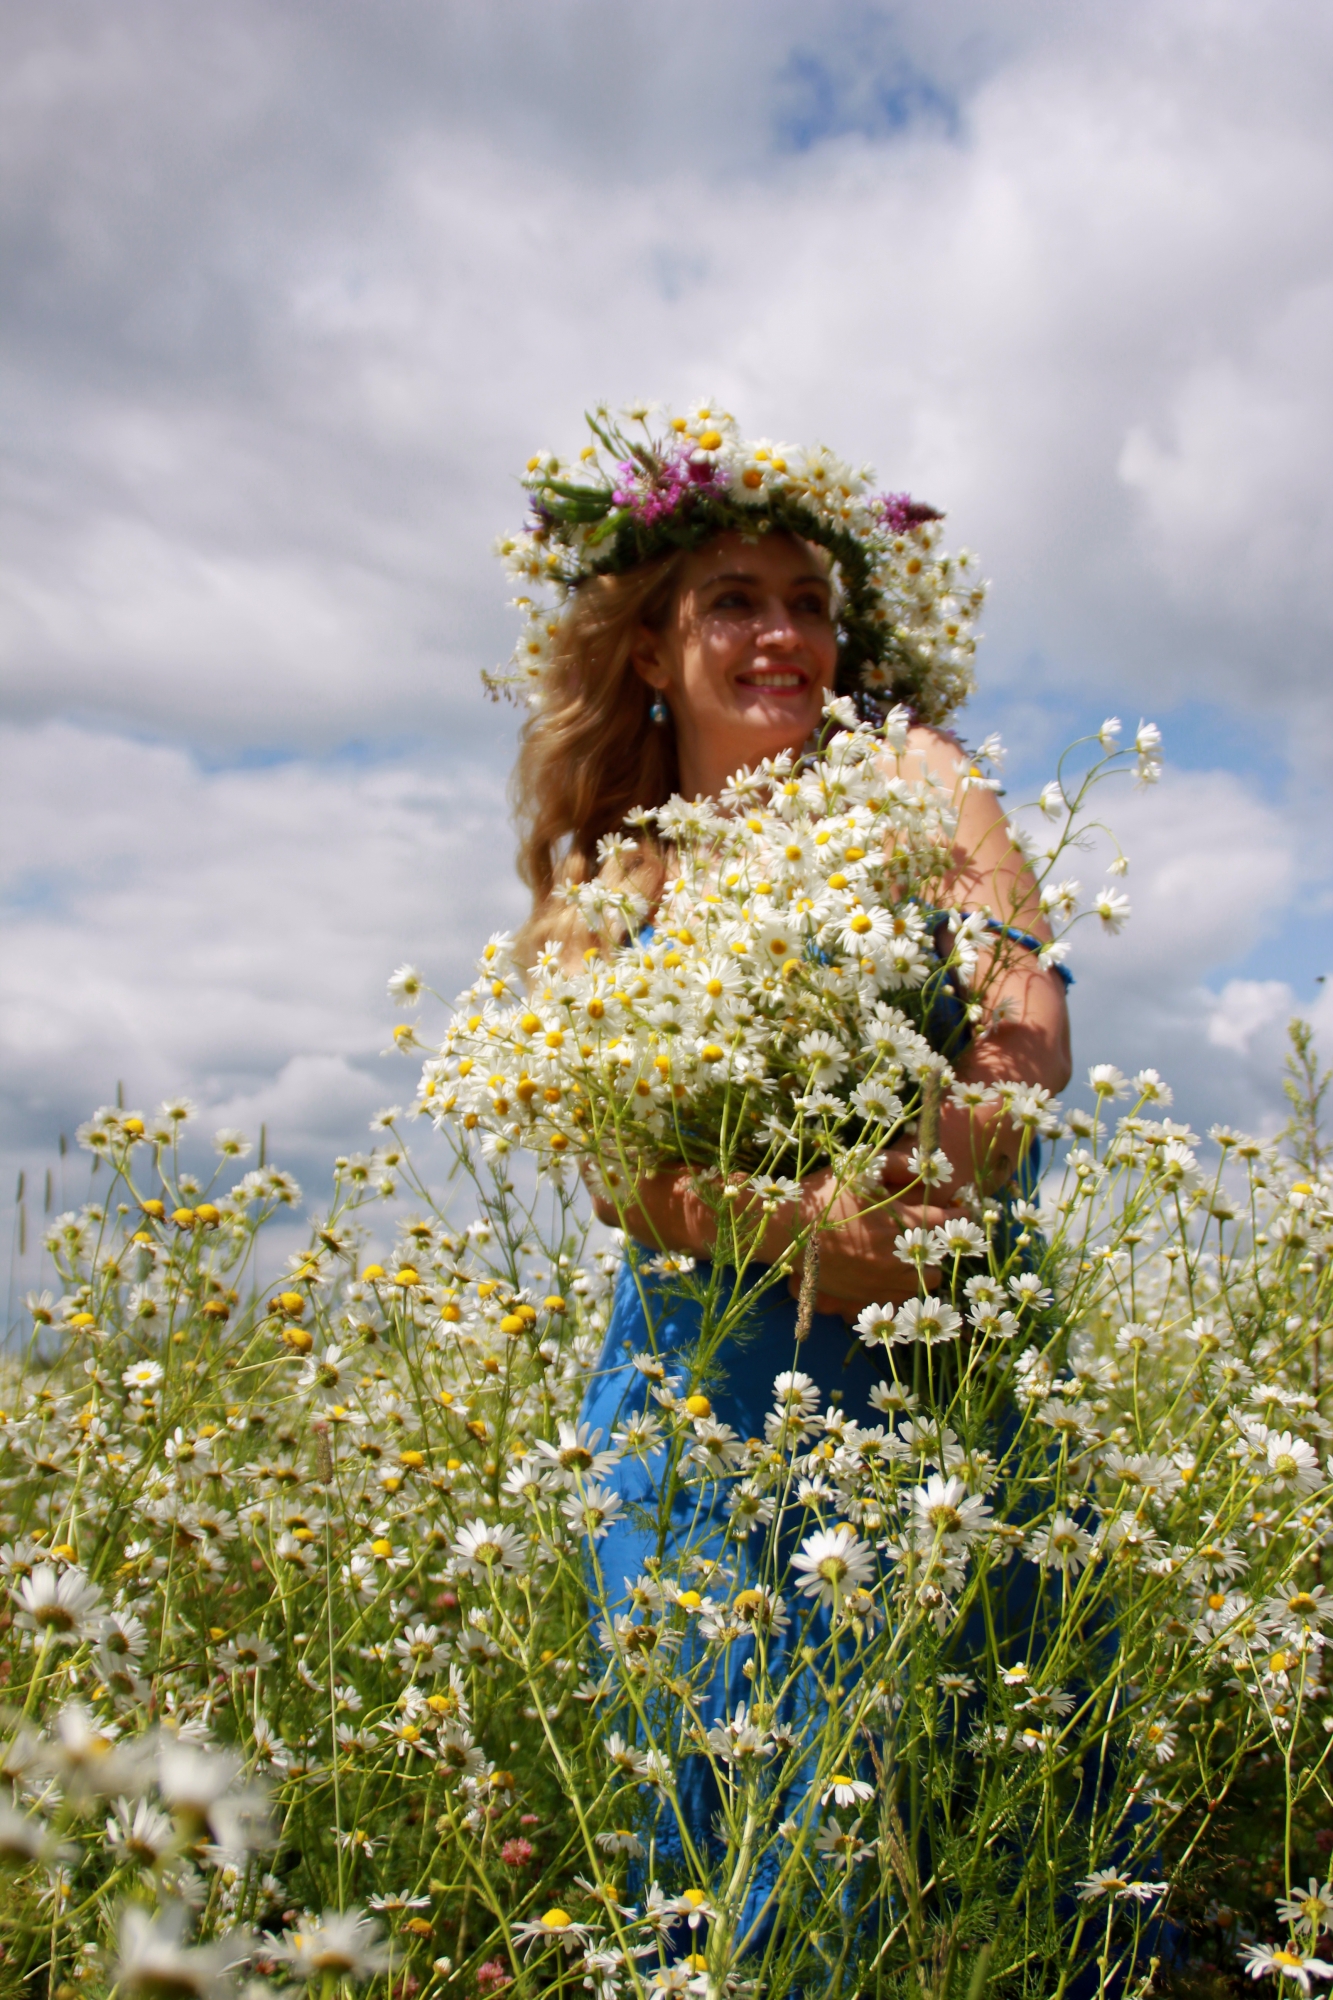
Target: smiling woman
714,594
715,598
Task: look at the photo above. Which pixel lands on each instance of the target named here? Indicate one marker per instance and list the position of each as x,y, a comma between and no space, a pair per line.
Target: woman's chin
779,713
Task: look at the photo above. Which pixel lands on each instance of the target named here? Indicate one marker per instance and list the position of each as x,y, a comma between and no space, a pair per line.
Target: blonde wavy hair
591,753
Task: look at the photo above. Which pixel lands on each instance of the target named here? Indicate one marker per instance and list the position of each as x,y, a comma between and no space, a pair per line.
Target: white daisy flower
63,1603
488,1548
1280,1961
832,1562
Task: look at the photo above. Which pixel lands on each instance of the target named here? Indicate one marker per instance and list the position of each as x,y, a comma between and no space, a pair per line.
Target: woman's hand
858,1264
668,1211
858,1241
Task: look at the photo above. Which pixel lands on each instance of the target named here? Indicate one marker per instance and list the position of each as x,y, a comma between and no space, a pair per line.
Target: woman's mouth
774,678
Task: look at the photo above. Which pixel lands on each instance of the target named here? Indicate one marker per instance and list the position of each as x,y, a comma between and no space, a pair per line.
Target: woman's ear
645,656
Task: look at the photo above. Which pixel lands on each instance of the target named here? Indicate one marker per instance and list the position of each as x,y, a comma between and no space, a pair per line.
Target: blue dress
653,1315
657,1315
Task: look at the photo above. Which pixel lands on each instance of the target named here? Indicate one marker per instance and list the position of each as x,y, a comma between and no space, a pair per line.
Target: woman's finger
895,1170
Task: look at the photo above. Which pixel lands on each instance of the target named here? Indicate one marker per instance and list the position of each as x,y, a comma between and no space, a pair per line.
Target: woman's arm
858,1264
1023,1034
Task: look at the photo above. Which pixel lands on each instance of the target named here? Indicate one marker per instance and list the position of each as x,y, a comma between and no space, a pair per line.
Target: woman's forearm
1024,1038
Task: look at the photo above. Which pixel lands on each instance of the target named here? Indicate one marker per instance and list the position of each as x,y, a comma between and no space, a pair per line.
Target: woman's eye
731,600
812,606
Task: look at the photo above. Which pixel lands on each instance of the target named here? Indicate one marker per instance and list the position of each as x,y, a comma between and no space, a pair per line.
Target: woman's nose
777,626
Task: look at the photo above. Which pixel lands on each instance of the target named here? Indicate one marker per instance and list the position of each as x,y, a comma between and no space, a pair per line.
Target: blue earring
658,712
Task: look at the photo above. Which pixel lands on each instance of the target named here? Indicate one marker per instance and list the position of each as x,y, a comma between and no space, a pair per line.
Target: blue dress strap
1029,943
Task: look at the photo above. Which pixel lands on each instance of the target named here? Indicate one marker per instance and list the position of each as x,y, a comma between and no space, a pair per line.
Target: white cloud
1246,1006
313,1100
291,296
1214,873
230,932
1212,869
276,426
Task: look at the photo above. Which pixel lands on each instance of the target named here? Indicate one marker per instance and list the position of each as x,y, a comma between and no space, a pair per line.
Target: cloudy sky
292,291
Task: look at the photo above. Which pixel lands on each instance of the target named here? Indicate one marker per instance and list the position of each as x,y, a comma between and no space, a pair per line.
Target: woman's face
746,656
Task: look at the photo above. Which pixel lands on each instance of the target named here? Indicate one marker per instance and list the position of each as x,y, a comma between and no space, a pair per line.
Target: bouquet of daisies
800,980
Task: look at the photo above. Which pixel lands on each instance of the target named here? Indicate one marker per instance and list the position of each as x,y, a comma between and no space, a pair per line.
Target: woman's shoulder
936,753
940,755
930,739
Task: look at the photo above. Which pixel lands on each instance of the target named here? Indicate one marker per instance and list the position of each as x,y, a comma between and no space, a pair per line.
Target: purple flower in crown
652,495
899,512
649,494
626,492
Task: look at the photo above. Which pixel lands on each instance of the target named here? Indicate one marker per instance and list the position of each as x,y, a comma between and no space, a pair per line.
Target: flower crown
905,612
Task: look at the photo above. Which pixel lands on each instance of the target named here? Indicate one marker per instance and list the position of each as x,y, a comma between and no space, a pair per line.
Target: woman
716,593
670,676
